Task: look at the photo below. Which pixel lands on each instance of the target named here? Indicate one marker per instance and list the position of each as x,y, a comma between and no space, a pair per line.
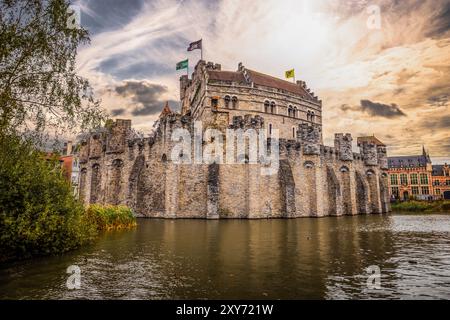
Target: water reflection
239,259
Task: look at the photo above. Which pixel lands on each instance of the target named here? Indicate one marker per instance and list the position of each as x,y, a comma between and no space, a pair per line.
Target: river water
306,258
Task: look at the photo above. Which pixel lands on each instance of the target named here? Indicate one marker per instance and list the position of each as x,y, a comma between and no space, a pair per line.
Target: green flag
182,64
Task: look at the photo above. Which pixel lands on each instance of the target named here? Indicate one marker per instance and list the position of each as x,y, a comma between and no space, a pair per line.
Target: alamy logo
374,279
374,20
74,19
238,146
74,280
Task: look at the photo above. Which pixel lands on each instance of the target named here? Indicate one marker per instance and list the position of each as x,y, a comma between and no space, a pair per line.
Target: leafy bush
445,206
420,206
38,213
110,217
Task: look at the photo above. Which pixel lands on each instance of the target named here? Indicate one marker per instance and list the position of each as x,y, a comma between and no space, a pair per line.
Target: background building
70,166
441,181
411,177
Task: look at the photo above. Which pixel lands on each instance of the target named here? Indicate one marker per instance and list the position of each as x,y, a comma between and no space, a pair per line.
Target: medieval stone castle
313,180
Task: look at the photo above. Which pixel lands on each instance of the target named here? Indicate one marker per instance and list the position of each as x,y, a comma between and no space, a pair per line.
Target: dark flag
195,45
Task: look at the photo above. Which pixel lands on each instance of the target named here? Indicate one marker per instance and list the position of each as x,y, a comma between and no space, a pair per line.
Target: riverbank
422,206
90,223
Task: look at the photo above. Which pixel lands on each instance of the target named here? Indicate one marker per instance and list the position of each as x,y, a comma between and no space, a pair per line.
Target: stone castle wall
312,181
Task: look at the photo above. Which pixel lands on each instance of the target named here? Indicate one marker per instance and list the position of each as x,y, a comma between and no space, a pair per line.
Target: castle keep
312,180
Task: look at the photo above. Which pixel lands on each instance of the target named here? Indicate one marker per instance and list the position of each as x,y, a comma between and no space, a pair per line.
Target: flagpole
201,49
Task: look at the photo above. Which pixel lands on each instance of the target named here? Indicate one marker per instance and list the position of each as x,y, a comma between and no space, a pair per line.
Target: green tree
39,88
38,213
40,92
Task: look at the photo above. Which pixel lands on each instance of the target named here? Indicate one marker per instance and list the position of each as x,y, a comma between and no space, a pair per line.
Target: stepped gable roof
407,161
370,139
262,79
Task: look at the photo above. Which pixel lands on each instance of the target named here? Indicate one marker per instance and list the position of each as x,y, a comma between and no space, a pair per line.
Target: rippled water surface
237,259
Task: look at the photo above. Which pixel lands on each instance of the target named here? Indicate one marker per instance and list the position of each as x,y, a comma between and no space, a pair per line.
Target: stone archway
82,186
334,192
346,190
96,179
374,194
362,198
311,192
384,193
134,181
115,182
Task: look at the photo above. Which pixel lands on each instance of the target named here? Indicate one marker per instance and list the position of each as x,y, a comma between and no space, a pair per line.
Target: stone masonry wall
312,180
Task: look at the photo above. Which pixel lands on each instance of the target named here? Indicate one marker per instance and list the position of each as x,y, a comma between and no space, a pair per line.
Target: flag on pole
290,74
182,64
195,45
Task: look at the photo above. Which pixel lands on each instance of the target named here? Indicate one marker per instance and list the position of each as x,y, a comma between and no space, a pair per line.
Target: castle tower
343,145
382,157
116,139
372,150
309,136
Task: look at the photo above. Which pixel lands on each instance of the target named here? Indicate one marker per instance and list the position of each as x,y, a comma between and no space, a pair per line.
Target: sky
379,67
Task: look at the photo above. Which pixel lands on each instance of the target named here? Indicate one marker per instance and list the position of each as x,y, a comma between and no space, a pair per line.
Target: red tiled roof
259,78
272,82
226,76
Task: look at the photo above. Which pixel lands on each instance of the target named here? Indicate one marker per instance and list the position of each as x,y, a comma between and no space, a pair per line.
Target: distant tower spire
166,110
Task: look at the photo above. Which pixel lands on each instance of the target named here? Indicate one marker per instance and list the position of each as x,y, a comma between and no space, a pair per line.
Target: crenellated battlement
310,136
343,145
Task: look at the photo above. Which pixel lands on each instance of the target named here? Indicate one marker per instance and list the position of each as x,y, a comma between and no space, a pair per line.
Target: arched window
295,111
290,111
308,116
312,116
227,101
270,129
344,169
266,106
234,102
293,132
272,107
308,164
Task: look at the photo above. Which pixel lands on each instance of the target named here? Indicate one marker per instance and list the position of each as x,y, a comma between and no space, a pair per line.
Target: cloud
439,100
381,110
437,122
117,112
146,96
375,109
326,41
153,109
440,22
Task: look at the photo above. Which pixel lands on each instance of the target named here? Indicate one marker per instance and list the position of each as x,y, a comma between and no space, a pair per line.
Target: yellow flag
290,74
